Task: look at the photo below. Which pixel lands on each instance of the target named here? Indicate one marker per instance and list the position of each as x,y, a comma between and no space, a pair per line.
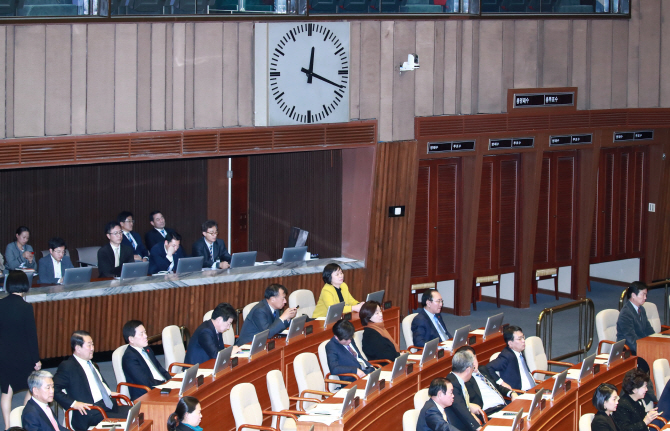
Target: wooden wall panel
57,77
650,48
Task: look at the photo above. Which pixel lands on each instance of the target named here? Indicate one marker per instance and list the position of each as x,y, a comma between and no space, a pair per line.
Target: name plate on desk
498,144
555,141
642,135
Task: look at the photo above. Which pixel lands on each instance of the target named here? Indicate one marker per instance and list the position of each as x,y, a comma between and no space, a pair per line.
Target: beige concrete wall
62,79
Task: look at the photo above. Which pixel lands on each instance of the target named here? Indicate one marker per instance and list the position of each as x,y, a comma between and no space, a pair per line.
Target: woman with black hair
187,415
605,400
335,291
630,415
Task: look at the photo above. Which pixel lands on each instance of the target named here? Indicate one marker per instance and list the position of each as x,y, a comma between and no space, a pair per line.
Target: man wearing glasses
111,256
213,250
428,323
511,363
131,238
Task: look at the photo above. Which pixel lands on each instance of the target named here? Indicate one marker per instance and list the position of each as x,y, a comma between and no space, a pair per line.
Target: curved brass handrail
545,323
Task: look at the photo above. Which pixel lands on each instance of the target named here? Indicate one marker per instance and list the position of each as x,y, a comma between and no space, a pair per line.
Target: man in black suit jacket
159,231
166,255
266,315
425,327
207,340
37,415
130,238
213,250
55,258
113,255
139,363
79,384
432,416
511,361
462,412
483,389
343,355
633,323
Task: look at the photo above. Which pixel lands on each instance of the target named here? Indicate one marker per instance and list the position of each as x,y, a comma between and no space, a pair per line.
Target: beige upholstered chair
606,329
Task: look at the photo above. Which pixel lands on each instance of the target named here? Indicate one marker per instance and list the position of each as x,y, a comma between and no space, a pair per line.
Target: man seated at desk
207,340
165,255
343,354
130,238
139,363
53,266
114,254
213,250
511,363
433,416
483,389
633,323
158,232
266,315
428,323
463,413
37,415
79,384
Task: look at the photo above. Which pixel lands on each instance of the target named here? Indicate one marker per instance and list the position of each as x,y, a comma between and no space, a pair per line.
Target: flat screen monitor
222,360
334,314
77,275
296,327
399,366
297,237
133,416
189,264
493,324
460,338
294,254
259,342
429,351
240,260
134,270
377,296
559,383
190,379
616,352
536,402
587,367
373,381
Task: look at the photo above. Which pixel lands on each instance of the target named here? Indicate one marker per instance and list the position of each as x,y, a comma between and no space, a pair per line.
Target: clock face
308,73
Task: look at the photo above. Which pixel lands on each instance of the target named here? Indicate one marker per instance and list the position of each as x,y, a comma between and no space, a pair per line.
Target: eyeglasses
216,232
438,301
129,221
116,233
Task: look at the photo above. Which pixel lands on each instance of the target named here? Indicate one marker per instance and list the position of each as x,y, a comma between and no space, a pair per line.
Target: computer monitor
296,327
559,383
259,342
377,296
429,351
134,270
222,360
493,324
460,338
399,366
372,385
190,379
536,402
189,264
587,367
246,258
616,352
133,416
348,402
297,237
77,275
294,254
334,314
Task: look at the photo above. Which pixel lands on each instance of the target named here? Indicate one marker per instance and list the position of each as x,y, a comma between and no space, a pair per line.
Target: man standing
433,416
164,256
266,315
130,238
511,363
159,231
79,384
113,255
139,363
52,267
428,323
37,415
213,250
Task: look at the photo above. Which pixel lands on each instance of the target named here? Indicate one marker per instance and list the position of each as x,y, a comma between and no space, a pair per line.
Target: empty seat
420,399
409,420
606,329
305,299
88,256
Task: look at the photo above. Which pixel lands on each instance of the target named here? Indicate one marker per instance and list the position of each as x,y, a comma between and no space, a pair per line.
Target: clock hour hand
321,78
311,67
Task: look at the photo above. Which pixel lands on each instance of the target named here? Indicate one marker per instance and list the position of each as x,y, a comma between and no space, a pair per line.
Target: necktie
531,381
443,335
211,251
50,415
352,351
466,395
103,390
489,384
276,314
117,251
132,240
163,232
154,371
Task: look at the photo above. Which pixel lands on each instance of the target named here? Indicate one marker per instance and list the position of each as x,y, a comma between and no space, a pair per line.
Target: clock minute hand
311,67
321,78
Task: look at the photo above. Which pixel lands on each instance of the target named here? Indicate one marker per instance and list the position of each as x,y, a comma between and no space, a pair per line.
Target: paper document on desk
659,335
384,375
320,318
573,374
525,397
498,427
414,358
242,354
201,372
506,415
343,393
477,332
109,424
284,332
325,408
600,361
169,385
246,346
322,419
603,356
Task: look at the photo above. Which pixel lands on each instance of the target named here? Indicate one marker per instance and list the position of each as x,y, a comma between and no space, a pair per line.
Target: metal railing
545,325
654,285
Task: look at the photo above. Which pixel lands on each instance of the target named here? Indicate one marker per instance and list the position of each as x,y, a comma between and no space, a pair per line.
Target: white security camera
411,63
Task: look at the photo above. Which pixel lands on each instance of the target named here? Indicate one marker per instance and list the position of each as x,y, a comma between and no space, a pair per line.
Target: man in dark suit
207,340
511,363
483,389
633,323
52,267
158,232
428,323
130,238
139,363
37,415
433,416
165,255
266,315
113,255
213,250
462,412
79,384
343,354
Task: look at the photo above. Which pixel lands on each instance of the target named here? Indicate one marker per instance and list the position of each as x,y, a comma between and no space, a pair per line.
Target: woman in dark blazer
187,415
377,342
18,341
630,415
605,400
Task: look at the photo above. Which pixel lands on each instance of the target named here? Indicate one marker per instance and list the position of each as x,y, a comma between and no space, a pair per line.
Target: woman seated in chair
187,415
605,399
334,291
630,415
377,342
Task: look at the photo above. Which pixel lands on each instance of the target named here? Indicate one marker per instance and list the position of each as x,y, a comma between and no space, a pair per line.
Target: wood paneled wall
75,202
62,79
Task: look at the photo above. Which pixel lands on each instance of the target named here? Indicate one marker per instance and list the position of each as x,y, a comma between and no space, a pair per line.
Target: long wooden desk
653,348
214,394
560,415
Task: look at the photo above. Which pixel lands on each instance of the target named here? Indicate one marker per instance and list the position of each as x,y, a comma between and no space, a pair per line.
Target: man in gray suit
53,266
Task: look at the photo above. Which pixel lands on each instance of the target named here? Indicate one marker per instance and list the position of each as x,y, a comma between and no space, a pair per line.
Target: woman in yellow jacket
334,292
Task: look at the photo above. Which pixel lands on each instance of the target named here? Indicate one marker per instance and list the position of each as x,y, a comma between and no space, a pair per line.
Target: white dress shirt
93,386
490,398
117,253
215,265
58,274
440,330
525,383
152,367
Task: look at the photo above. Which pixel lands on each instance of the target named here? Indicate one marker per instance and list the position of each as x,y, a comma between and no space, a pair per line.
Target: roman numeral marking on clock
275,73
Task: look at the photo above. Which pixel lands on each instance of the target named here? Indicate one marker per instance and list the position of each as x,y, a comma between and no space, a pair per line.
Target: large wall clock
302,73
